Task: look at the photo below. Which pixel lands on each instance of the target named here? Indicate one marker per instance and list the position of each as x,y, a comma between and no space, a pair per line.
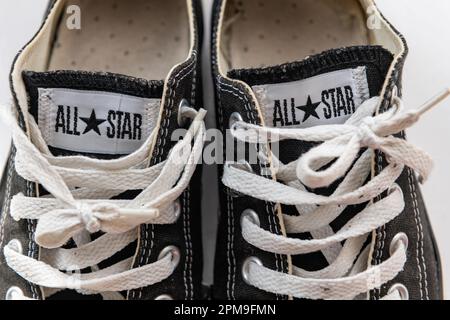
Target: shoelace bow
349,274
72,210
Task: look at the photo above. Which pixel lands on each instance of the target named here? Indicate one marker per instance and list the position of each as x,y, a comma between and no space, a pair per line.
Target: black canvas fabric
186,282
375,59
422,273
184,83
231,249
89,81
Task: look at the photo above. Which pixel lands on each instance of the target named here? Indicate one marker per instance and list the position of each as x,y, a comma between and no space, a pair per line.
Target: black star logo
92,123
309,109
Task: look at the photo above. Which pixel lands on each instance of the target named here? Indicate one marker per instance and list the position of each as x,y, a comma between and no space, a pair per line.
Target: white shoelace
78,204
349,274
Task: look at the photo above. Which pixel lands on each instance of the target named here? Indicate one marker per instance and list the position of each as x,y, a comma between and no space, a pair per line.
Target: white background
426,26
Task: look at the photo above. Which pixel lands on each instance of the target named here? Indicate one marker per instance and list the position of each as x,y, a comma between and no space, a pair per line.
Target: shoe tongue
101,115
323,89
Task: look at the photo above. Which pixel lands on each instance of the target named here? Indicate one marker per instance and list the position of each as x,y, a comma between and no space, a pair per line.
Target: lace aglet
434,101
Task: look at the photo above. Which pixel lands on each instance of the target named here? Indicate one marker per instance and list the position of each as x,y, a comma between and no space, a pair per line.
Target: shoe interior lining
138,38
260,33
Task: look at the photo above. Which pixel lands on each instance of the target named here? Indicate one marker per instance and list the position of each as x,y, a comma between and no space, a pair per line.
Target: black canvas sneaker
98,198
319,196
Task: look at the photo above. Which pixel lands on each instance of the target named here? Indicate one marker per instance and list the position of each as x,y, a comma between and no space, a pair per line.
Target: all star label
95,122
330,98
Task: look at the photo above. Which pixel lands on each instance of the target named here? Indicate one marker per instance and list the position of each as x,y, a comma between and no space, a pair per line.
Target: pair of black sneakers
100,198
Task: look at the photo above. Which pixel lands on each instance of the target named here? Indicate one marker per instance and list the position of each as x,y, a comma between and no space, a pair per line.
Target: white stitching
250,115
6,208
191,254
188,193
229,210
381,234
31,243
270,214
186,245
189,293
419,245
163,139
233,255
231,230
229,200
7,200
172,92
186,230
160,145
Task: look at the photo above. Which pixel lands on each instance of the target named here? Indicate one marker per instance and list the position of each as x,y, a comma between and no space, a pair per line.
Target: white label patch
330,98
95,122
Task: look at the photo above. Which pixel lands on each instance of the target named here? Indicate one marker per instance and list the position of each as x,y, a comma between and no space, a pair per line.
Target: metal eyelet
246,268
250,214
400,237
172,250
401,289
16,245
181,119
164,297
235,117
13,292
